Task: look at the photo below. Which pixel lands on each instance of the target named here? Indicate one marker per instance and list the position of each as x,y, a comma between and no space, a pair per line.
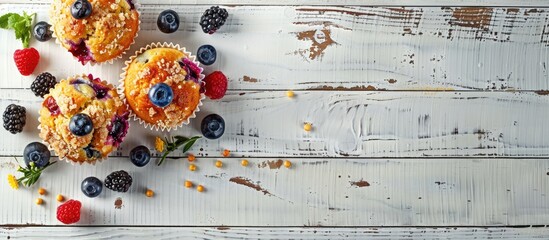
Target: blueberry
213,126
91,187
38,153
168,21
42,32
206,54
140,156
81,125
161,94
81,9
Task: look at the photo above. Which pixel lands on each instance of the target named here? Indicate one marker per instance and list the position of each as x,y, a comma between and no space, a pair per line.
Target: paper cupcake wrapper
110,61
73,162
122,86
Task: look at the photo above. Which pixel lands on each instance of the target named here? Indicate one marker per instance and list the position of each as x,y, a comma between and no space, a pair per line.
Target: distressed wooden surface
467,3
349,124
273,233
314,192
354,48
433,88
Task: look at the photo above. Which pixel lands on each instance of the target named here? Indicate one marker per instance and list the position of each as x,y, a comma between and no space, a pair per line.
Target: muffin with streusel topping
83,119
94,31
162,85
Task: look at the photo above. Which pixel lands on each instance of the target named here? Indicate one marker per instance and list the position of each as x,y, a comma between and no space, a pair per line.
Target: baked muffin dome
100,37
166,64
83,95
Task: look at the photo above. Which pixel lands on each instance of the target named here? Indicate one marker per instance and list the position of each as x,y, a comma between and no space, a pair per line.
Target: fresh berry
168,21
81,125
119,181
69,212
42,32
91,187
14,118
307,127
149,193
42,84
206,54
81,9
213,19
216,85
287,164
213,126
26,60
161,94
140,156
38,153
52,106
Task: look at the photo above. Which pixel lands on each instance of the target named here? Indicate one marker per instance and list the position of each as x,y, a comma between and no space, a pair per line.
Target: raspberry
69,212
26,60
216,85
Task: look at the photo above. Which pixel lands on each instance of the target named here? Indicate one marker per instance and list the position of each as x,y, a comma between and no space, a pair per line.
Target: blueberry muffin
94,30
83,119
162,86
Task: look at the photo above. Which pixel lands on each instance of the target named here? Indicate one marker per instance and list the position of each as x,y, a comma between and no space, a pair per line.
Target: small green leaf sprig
21,24
176,142
31,173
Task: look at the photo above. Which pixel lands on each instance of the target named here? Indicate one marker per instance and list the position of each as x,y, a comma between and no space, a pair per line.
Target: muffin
162,85
83,119
97,36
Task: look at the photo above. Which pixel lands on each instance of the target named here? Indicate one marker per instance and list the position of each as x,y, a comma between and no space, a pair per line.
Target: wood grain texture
341,48
314,192
488,3
161,233
348,124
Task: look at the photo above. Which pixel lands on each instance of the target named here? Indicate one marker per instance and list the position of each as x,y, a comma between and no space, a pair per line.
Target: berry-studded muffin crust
99,37
152,70
83,119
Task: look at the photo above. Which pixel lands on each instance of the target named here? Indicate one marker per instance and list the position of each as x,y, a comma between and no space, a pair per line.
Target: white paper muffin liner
111,61
68,159
121,87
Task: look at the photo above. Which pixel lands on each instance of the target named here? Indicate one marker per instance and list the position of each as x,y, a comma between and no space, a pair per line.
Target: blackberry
119,181
42,84
213,19
14,118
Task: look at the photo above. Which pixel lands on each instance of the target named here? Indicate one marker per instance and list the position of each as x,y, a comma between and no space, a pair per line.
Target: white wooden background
429,119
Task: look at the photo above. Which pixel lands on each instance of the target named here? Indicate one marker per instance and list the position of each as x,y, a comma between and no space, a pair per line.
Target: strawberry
216,85
26,60
69,212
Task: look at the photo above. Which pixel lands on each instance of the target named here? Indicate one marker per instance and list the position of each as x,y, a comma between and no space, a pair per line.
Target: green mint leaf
4,20
22,25
14,19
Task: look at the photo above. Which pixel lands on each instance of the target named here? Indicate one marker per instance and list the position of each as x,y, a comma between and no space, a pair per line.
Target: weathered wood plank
314,192
356,48
466,3
272,233
353,124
